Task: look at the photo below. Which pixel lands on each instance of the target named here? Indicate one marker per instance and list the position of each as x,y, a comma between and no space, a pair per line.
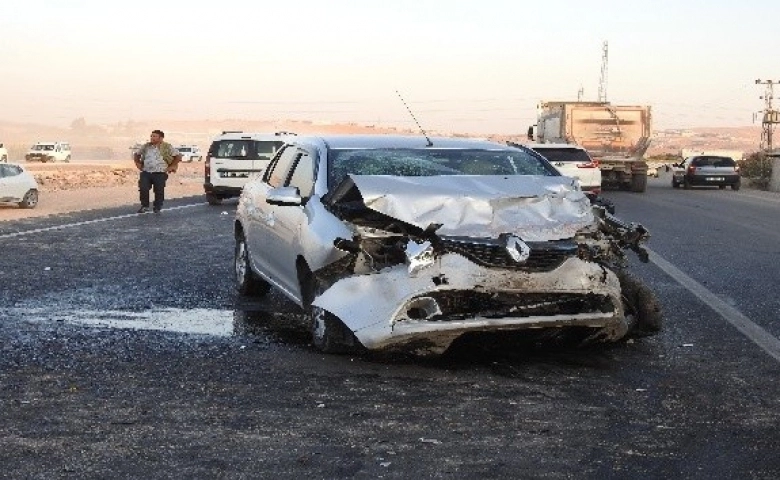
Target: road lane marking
89,222
755,333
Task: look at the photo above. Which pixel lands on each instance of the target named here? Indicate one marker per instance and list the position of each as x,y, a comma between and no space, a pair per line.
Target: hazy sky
476,66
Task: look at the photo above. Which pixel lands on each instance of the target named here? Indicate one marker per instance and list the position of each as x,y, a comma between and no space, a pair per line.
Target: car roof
267,136
398,141
542,146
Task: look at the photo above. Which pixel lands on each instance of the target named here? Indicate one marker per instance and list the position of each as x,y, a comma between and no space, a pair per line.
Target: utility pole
604,68
770,120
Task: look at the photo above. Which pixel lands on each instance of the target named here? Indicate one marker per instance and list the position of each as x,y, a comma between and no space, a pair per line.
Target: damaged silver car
407,243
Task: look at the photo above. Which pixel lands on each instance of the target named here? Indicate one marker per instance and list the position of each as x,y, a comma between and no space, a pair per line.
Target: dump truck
617,136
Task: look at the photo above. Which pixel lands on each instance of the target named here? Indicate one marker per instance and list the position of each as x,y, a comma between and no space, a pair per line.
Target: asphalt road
124,353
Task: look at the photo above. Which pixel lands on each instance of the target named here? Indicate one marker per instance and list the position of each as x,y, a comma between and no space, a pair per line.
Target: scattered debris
430,440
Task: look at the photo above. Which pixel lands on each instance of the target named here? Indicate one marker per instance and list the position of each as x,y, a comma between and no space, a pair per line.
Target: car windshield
185,149
432,162
43,147
564,155
713,162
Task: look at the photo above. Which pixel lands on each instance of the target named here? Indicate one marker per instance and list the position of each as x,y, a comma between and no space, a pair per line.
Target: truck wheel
30,199
638,182
213,199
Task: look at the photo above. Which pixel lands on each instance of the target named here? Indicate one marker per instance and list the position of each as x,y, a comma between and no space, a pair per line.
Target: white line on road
89,222
758,335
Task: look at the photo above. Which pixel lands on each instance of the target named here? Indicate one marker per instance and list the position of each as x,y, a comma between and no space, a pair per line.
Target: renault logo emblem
517,249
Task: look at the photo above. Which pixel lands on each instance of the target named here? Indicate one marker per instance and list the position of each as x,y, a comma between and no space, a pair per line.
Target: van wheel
4,159
247,283
30,199
67,159
213,199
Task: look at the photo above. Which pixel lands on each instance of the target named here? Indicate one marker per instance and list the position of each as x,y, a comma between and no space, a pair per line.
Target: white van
233,157
190,153
49,152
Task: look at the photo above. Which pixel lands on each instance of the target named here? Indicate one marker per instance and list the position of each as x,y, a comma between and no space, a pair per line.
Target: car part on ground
393,244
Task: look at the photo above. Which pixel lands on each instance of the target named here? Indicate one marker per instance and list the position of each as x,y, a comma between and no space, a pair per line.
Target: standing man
156,159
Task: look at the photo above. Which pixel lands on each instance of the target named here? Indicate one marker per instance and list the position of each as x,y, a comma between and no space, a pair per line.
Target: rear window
713,162
564,155
230,149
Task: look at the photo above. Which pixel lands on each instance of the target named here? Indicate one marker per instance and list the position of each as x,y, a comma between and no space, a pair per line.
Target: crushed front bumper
391,309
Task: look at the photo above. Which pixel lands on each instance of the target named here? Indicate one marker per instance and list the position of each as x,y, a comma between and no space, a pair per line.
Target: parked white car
572,161
49,152
3,153
190,153
396,242
17,186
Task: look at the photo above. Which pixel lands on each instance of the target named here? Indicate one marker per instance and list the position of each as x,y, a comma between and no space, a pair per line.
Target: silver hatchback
707,170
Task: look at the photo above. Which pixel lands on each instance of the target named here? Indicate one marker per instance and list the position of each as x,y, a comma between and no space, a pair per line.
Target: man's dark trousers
148,181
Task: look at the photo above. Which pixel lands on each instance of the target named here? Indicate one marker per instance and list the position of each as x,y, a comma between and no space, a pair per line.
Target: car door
262,216
283,243
231,162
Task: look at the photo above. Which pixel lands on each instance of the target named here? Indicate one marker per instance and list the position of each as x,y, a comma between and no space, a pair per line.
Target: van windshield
43,147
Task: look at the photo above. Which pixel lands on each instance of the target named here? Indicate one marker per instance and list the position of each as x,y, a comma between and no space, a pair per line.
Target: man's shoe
143,210
156,210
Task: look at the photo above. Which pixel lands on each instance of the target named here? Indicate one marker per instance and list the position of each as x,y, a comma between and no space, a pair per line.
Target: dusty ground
66,188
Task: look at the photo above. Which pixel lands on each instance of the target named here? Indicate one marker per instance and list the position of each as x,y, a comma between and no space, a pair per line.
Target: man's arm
137,160
175,163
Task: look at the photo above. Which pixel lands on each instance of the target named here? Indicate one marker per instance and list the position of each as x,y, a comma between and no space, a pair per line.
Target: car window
713,162
266,150
303,176
431,162
230,149
564,155
9,171
184,149
277,176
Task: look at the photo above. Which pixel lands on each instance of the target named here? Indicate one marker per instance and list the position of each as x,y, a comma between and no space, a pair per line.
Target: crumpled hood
535,208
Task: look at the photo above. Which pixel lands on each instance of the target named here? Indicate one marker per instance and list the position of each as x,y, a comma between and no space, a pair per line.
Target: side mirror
284,197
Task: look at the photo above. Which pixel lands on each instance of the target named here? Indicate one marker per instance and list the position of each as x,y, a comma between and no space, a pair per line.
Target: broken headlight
419,256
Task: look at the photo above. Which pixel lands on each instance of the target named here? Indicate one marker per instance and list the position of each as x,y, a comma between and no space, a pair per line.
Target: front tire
247,283
686,184
213,199
736,186
641,306
675,184
328,332
30,199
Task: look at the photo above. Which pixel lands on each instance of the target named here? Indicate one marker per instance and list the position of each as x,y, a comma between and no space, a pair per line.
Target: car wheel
675,183
638,183
247,283
67,159
4,159
328,332
641,307
30,199
213,199
735,186
721,187
686,184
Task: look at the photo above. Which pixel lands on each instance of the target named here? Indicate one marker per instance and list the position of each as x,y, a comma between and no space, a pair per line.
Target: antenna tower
604,71
771,116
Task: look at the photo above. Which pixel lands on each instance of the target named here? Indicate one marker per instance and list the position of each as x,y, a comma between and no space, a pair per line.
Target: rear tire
736,186
639,182
213,199
30,199
247,283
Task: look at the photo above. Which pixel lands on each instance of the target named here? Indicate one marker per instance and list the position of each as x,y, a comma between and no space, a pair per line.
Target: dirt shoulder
66,188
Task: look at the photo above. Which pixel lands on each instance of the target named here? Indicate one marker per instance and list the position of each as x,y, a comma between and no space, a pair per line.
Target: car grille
545,256
462,304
